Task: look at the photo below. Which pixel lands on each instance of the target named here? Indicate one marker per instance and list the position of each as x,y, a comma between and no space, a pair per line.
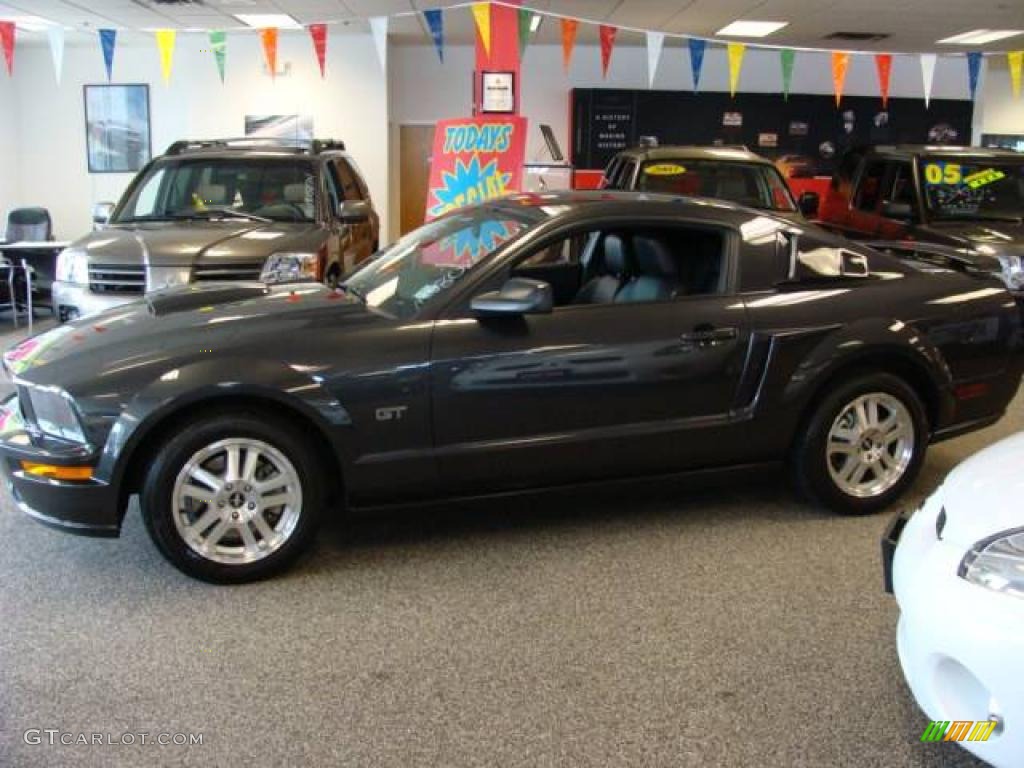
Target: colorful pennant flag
736,51
435,23
525,28
973,71
482,17
697,60
7,42
607,35
165,45
883,66
108,40
379,30
788,57
56,37
219,46
840,63
655,42
268,37
1014,59
318,34
569,27
928,75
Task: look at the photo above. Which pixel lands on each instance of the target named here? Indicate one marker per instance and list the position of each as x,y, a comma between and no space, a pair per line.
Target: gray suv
231,209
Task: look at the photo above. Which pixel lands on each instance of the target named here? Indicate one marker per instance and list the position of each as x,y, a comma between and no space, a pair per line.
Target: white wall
1000,111
350,104
8,148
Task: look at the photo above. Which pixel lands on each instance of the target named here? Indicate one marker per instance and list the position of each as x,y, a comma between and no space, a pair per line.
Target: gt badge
391,413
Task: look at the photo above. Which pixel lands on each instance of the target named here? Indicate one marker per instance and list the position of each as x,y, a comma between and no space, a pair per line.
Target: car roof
256,146
908,150
687,152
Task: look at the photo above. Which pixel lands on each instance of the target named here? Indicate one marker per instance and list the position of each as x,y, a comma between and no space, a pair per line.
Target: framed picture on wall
117,130
498,92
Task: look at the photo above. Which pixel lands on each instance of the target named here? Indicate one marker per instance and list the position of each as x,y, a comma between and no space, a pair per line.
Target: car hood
185,243
982,495
1002,237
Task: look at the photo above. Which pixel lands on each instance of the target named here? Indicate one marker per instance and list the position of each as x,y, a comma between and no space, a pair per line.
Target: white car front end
958,576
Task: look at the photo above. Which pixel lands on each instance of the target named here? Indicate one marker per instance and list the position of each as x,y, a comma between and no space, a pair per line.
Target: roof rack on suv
313,147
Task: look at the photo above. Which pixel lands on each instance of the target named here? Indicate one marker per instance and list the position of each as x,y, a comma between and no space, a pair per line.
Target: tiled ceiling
912,25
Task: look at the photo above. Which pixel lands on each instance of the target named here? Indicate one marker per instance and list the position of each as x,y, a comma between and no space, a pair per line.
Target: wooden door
415,146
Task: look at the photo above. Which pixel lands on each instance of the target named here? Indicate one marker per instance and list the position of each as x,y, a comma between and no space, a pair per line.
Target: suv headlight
997,563
73,266
54,413
291,268
1013,271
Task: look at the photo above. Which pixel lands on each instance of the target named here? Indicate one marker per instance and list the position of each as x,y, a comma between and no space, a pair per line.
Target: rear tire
862,446
233,498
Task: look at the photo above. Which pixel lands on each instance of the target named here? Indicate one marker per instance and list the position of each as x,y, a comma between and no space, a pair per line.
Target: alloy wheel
870,445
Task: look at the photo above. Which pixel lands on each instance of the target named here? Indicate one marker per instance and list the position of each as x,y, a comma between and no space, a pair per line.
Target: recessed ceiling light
751,28
981,36
535,21
264,20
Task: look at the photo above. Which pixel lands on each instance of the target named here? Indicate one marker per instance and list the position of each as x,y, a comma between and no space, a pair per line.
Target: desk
38,260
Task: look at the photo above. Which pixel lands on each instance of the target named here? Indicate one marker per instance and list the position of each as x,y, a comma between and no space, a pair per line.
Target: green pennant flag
525,20
219,46
788,57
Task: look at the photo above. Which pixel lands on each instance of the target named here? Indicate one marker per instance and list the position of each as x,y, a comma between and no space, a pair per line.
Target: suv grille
117,278
247,271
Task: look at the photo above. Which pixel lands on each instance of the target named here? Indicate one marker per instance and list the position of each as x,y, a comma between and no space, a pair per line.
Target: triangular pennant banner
56,36
569,27
655,42
7,42
525,28
973,71
108,40
379,29
840,63
318,34
787,56
928,75
268,37
697,48
736,51
219,46
165,45
883,66
607,35
482,17
1014,59
435,23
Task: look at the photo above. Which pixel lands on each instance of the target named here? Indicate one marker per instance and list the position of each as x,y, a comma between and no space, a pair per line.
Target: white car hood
982,496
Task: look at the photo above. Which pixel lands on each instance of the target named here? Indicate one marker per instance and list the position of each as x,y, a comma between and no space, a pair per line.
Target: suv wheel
233,498
863,445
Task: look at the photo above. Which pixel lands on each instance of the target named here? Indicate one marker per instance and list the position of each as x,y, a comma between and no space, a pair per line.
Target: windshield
758,186
246,188
973,188
430,260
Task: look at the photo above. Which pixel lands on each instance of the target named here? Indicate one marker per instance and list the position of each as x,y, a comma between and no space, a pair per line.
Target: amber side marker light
57,473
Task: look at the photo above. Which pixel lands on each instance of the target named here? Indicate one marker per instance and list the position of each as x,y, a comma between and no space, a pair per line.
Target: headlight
1013,271
73,266
291,268
997,563
54,413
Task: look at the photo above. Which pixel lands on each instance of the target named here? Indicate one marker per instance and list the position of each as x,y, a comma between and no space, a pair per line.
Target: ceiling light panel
742,28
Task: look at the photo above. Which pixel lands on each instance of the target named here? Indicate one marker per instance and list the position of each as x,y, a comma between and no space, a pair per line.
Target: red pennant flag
607,43
883,63
269,39
319,34
7,40
840,63
568,40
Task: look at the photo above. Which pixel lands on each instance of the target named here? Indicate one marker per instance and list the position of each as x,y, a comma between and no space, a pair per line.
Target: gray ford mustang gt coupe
533,341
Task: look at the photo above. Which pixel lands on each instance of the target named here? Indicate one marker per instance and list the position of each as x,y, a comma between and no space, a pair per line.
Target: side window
870,186
900,187
608,182
333,193
349,188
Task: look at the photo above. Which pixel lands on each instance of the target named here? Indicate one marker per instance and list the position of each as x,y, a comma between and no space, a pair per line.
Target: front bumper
72,300
961,646
84,507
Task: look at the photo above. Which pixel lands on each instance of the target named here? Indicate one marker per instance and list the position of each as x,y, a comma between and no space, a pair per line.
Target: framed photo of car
498,93
117,128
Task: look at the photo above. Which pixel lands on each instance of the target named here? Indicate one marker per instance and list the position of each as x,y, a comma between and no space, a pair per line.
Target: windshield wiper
352,291
209,213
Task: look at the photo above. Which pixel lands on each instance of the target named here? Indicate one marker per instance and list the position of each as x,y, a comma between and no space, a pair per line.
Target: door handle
707,335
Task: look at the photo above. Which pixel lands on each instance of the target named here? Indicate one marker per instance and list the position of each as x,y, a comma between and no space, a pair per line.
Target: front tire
862,446
233,498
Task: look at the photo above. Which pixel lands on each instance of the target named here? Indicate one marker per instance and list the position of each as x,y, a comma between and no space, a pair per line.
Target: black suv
227,209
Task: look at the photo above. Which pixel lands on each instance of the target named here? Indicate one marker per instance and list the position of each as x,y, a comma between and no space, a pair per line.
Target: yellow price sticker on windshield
943,173
664,169
981,178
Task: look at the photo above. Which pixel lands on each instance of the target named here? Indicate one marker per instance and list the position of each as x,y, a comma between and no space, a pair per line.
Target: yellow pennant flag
482,16
165,44
736,51
1015,58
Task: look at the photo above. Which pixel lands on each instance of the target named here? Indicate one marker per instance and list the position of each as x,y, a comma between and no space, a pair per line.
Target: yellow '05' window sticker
981,178
943,173
665,169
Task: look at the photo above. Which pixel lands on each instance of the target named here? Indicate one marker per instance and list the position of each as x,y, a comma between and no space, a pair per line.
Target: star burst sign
470,183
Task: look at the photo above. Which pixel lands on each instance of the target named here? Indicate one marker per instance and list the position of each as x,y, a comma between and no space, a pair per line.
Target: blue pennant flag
108,37
435,23
973,70
697,60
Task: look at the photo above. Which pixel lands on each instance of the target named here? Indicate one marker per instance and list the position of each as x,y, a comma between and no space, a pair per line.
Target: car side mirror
518,296
101,213
354,211
809,203
901,211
